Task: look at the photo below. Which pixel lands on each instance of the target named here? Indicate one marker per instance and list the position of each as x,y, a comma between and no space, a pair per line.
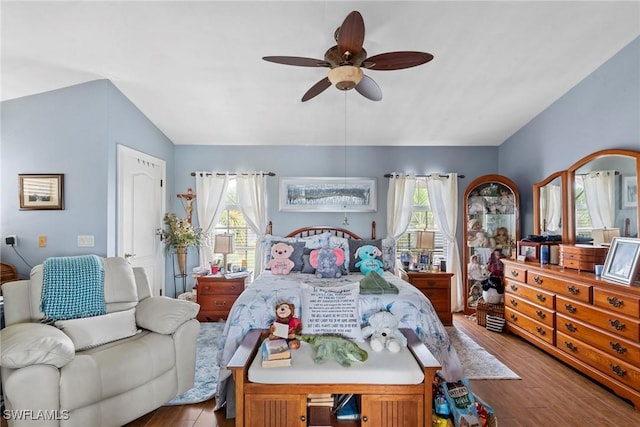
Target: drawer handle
618,370
570,308
538,280
515,273
513,317
514,288
573,290
570,327
541,297
615,301
514,303
570,346
220,303
541,331
617,325
541,314
617,347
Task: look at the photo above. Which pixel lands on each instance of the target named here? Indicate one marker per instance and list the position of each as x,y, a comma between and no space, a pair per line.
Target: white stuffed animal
384,332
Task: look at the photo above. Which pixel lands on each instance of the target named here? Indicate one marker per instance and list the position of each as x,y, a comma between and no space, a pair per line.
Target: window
583,219
422,218
232,222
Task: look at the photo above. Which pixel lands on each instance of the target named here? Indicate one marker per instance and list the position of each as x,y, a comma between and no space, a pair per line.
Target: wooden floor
549,394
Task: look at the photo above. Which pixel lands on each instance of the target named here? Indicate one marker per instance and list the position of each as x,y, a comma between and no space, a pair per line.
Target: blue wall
73,131
602,111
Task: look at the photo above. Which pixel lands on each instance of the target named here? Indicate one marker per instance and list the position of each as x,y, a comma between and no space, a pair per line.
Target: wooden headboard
319,229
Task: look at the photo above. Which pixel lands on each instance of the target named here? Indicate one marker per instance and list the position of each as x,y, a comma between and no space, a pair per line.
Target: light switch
85,241
42,241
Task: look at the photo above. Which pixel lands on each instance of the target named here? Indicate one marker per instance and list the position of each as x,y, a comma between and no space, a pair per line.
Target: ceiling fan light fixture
345,77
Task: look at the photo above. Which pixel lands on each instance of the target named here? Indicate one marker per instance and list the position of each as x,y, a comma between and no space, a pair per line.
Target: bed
254,308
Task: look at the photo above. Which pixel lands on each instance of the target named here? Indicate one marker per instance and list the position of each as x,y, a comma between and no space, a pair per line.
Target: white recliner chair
95,371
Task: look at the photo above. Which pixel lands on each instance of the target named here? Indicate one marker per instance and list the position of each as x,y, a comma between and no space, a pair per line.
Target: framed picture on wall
629,192
328,194
41,191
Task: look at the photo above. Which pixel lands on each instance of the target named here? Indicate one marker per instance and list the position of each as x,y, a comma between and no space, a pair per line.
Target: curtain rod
232,174
596,172
390,175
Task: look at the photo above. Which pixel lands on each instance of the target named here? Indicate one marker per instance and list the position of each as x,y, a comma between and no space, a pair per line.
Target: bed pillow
307,268
332,310
354,245
389,254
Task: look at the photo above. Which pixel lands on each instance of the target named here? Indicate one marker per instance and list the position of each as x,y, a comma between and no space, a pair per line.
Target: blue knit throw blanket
73,287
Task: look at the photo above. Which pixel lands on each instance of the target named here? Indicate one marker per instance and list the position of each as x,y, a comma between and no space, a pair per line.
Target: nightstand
216,295
436,287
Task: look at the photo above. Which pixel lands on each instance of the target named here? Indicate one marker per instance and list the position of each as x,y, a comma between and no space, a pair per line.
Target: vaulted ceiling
195,68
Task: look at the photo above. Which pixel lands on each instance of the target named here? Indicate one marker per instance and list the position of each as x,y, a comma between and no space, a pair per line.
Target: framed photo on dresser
623,261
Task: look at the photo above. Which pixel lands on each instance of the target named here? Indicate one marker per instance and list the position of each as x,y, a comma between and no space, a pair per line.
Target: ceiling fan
347,59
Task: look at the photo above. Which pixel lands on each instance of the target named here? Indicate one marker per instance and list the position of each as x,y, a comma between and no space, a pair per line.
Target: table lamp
224,244
604,236
426,242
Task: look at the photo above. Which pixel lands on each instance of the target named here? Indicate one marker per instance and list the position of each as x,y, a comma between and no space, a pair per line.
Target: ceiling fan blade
396,60
351,34
369,89
317,89
297,60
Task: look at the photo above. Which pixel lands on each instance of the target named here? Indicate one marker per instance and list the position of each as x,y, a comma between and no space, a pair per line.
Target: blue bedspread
73,287
255,309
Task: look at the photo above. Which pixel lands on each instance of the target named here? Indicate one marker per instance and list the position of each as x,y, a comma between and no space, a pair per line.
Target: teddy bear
285,315
384,333
280,262
327,262
368,259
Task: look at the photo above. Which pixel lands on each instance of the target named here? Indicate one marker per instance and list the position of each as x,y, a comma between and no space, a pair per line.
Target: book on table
274,355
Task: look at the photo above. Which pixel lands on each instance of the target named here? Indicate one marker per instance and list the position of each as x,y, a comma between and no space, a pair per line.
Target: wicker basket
484,308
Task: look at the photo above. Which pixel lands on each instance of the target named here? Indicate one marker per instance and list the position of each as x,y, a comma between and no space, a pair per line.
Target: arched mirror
550,205
603,196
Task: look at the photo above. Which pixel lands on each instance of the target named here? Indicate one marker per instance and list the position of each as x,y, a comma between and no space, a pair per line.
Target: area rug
208,346
478,363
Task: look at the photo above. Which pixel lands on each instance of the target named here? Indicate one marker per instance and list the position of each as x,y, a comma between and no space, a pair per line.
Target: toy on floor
384,333
332,347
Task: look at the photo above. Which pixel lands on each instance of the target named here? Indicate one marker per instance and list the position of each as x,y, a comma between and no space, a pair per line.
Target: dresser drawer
615,368
212,315
530,293
536,328
577,291
440,298
620,303
611,344
516,273
226,287
617,324
523,306
429,283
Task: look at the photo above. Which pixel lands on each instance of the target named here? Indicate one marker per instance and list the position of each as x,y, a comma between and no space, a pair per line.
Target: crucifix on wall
189,196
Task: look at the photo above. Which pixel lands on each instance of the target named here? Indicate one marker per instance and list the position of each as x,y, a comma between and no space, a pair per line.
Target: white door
141,200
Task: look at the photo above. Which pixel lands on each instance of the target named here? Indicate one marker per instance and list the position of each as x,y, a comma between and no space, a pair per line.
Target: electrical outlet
11,240
42,241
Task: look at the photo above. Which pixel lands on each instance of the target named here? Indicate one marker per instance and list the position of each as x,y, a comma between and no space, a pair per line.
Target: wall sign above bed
328,194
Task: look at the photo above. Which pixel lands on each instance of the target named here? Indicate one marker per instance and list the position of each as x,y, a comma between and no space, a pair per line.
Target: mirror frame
563,194
571,174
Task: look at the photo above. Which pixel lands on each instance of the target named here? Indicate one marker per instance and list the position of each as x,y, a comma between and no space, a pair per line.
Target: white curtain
211,189
599,190
399,204
443,198
551,208
252,197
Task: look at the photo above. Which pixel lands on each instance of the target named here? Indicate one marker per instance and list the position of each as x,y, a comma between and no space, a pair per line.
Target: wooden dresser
216,295
589,323
436,287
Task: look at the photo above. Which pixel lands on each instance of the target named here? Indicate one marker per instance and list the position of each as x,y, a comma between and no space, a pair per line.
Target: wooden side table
216,295
436,287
